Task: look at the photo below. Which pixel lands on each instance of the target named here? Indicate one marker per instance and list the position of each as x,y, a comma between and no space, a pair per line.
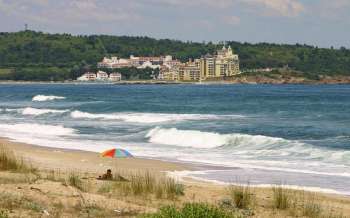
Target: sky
322,23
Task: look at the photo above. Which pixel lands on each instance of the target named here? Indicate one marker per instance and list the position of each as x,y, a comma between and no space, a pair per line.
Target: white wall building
115,77
87,77
148,64
140,62
101,75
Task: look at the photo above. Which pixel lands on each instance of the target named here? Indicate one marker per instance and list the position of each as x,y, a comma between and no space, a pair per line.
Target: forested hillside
29,55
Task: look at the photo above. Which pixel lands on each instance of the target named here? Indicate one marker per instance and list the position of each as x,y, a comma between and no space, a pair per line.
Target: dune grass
281,197
241,195
192,210
302,204
11,202
3,213
143,184
75,181
9,162
148,184
311,207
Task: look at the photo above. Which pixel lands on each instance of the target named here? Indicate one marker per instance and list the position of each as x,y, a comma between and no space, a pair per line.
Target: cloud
336,10
63,11
231,20
186,3
287,8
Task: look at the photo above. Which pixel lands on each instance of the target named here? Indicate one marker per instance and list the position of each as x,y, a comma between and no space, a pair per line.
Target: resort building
101,75
207,67
168,74
115,77
139,62
87,77
149,65
224,64
189,71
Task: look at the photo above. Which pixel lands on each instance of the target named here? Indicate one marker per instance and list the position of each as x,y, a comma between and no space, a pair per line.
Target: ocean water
297,135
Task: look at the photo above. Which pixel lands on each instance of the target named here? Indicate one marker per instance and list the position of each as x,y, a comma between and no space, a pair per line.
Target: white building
87,77
101,75
148,64
115,77
114,62
140,62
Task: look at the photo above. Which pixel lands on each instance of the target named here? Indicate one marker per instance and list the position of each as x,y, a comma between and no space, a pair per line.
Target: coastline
78,160
91,165
249,80
47,158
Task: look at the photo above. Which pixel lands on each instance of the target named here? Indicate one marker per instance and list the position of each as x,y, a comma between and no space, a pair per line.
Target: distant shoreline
221,82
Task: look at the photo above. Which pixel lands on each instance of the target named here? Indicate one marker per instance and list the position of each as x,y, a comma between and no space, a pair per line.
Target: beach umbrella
116,153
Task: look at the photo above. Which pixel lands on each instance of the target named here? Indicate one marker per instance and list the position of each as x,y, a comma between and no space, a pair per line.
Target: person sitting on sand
107,176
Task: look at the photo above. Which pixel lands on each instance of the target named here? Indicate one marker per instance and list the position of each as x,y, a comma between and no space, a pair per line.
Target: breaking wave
147,117
36,129
36,111
46,98
198,139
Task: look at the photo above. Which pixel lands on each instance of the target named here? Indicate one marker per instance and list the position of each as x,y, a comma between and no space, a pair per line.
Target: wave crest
36,111
47,97
198,139
147,117
37,129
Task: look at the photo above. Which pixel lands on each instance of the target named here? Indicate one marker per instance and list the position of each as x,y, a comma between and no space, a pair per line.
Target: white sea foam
198,139
46,98
11,109
36,130
197,175
148,117
36,111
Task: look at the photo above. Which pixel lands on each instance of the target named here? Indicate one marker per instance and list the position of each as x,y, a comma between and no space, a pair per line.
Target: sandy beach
91,165
75,160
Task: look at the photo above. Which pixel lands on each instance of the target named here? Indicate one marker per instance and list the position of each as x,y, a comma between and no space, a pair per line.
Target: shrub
192,210
241,196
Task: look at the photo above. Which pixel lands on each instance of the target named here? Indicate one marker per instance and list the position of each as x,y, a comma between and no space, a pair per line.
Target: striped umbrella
116,153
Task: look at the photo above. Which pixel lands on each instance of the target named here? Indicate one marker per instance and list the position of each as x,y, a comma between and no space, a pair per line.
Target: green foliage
132,73
38,74
305,58
193,210
29,47
42,56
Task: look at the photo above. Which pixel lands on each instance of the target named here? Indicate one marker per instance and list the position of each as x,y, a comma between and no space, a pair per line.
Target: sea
291,135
